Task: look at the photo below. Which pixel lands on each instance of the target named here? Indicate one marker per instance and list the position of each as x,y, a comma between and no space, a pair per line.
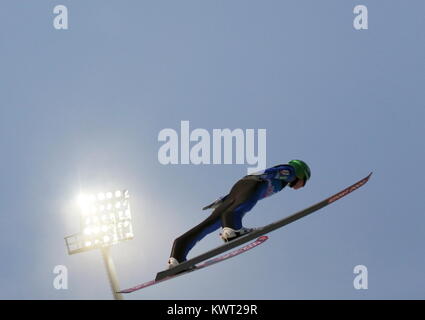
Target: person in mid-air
230,209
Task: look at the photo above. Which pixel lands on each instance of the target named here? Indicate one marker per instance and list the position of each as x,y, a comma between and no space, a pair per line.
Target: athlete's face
298,185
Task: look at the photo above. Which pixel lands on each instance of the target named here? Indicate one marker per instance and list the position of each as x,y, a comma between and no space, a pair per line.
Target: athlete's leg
183,244
242,197
245,194
232,218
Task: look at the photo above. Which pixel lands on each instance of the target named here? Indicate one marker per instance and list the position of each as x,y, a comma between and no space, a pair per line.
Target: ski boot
172,262
229,234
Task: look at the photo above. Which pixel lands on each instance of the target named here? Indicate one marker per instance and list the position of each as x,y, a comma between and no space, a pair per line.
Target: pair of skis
200,262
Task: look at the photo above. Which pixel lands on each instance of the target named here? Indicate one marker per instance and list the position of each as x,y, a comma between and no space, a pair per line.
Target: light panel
105,221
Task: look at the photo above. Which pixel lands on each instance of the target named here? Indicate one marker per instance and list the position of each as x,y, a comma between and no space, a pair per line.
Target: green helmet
302,171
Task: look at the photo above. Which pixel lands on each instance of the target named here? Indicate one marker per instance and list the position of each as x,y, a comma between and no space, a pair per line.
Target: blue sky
81,109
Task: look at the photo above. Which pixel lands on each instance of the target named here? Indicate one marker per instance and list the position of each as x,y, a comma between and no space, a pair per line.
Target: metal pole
112,276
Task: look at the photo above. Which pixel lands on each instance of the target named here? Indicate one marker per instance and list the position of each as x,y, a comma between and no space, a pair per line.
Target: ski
261,231
205,264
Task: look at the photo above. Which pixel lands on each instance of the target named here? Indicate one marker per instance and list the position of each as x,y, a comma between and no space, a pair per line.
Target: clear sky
81,109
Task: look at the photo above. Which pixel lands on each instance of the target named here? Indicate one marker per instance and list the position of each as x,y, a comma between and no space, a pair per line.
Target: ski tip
366,179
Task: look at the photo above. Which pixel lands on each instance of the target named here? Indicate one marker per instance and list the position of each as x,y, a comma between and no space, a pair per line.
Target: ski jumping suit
242,198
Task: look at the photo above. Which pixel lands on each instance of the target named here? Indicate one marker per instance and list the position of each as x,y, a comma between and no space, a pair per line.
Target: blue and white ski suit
231,209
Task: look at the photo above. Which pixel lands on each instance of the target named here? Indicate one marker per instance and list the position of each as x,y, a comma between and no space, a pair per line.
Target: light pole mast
112,275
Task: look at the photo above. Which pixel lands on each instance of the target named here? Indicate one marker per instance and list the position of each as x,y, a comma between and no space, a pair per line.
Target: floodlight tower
105,221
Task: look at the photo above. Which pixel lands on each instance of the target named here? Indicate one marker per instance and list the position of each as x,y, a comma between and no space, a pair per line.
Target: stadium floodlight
105,221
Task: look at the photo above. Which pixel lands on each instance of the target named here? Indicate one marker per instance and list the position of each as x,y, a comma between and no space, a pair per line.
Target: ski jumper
242,198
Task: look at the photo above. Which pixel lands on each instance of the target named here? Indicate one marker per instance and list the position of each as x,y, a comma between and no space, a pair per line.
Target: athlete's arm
281,172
